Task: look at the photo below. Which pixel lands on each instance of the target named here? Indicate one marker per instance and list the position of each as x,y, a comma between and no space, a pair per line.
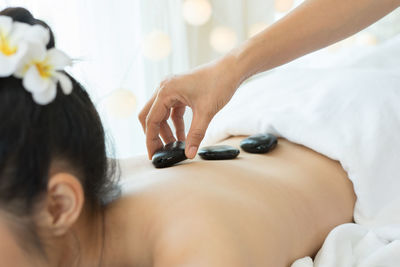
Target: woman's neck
116,236
111,236
129,237
82,245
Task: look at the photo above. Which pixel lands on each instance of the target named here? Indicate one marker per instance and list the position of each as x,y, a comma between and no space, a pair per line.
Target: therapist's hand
205,90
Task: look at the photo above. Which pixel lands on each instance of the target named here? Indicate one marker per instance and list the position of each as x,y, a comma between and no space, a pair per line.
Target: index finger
155,117
145,111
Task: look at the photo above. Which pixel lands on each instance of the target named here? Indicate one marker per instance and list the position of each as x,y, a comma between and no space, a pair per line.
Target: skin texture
9,247
311,26
256,210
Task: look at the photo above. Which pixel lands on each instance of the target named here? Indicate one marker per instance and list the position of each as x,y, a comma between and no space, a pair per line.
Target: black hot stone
169,155
218,152
259,143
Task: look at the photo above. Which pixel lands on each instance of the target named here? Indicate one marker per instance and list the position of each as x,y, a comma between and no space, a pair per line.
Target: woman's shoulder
185,230
191,235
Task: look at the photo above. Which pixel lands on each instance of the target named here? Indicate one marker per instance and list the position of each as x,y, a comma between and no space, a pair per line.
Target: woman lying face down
60,206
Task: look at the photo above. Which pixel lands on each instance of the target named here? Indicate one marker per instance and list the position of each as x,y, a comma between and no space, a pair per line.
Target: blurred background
125,48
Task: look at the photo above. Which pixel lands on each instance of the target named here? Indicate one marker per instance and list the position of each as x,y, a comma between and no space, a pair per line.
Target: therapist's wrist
239,64
228,67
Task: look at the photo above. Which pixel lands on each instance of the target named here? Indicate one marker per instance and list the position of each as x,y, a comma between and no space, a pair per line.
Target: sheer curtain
108,41
124,48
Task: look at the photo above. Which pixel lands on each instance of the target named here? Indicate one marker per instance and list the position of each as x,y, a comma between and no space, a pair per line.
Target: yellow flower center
44,69
5,47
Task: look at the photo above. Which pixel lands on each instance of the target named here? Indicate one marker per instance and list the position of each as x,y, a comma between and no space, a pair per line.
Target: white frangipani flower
15,38
41,70
23,53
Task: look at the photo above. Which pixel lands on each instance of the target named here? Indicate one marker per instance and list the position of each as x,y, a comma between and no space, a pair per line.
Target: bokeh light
346,43
283,5
223,39
366,39
197,12
157,45
256,28
121,104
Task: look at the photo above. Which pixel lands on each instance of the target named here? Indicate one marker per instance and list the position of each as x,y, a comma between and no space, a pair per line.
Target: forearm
313,25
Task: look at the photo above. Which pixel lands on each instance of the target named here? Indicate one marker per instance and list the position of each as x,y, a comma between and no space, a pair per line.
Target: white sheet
350,113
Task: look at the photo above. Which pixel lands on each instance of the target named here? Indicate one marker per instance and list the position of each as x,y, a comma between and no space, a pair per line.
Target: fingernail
192,152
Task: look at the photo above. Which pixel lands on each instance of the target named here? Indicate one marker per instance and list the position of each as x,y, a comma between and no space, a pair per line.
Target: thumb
196,133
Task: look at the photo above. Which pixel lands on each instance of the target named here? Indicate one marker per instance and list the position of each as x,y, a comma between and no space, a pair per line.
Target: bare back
256,210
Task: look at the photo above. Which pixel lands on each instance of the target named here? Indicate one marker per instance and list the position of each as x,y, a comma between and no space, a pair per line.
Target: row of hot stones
174,153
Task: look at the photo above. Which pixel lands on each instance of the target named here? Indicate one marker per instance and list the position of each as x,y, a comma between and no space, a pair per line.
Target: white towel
351,114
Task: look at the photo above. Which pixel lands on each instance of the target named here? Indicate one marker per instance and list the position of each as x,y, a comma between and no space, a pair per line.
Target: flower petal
6,66
34,83
38,34
9,64
6,24
65,82
35,52
46,97
19,30
58,59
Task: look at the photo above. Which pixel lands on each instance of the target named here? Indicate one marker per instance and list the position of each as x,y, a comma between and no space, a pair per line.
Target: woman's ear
63,204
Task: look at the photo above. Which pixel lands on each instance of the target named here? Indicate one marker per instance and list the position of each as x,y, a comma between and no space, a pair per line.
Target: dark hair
32,137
